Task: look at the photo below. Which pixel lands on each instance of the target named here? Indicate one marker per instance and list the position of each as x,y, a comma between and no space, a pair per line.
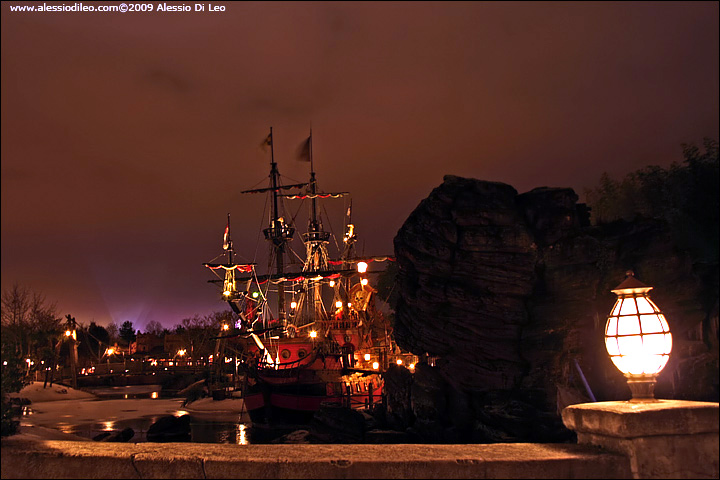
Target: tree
154,327
127,332
684,195
113,332
27,319
13,379
98,339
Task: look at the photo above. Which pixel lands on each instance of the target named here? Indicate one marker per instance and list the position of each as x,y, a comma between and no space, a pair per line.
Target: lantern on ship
637,337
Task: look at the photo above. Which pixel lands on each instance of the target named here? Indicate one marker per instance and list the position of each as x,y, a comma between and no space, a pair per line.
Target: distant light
376,365
364,281
332,283
293,304
68,333
225,326
255,294
313,334
411,366
338,304
362,267
226,293
367,357
399,362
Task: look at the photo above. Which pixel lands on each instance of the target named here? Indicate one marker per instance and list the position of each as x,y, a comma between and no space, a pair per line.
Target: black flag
303,153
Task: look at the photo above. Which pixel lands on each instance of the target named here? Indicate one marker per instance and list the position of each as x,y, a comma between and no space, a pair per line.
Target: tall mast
313,187
277,228
315,240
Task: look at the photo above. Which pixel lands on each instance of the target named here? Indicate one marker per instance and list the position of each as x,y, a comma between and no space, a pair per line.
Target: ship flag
267,142
226,236
303,153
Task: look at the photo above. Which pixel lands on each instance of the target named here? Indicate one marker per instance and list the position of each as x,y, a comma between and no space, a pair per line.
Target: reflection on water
126,392
202,430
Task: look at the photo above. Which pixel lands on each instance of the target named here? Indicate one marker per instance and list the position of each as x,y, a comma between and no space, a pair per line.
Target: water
202,430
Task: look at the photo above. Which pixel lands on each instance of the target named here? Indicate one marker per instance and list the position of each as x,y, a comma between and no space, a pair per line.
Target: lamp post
109,352
637,337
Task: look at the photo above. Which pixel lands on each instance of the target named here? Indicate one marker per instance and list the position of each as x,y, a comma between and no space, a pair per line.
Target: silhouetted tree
98,339
13,379
28,319
154,327
684,195
113,332
127,332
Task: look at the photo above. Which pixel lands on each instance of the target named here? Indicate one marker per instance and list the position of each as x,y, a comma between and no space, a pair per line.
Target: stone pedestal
663,439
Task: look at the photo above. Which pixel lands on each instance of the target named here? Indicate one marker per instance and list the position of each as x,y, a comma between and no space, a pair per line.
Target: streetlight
637,337
109,352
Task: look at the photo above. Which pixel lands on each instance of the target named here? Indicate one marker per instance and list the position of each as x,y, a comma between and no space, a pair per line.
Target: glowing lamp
638,338
399,362
364,281
255,294
110,351
376,365
293,304
225,326
367,357
313,334
68,333
362,267
338,304
332,283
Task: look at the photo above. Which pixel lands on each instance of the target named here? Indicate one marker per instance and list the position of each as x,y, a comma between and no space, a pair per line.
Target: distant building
146,343
173,343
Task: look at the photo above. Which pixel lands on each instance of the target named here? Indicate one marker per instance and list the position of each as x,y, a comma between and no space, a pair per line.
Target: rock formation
506,297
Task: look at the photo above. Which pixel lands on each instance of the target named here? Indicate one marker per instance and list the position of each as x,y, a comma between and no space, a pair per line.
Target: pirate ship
308,331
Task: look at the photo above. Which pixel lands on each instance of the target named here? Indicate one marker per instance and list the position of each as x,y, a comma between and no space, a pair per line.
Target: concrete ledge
628,420
664,439
22,458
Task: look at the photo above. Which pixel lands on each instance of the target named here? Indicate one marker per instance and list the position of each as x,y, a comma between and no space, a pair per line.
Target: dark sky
127,137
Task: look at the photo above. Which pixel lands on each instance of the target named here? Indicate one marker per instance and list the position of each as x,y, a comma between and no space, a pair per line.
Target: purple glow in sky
127,137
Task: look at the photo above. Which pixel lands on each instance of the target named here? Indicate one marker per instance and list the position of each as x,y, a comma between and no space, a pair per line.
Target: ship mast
276,233
315,240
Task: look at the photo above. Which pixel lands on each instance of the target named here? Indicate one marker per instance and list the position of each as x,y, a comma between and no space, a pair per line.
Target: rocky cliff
506,296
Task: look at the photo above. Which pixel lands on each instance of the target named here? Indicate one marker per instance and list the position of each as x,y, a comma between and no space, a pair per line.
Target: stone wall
510,294
63,459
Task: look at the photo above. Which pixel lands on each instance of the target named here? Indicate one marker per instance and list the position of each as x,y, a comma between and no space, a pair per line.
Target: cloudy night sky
127,137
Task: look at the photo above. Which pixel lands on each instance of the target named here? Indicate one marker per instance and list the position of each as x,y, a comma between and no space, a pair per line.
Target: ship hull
296,403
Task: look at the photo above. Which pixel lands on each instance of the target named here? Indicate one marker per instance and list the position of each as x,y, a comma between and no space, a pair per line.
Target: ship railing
289,365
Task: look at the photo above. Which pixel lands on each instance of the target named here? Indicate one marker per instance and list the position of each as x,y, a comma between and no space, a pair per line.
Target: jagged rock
509,294
124,435
296,437
338,424
101,436
398,381
170,429
384,437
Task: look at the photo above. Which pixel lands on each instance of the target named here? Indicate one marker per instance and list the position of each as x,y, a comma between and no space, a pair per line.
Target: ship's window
285,354
301,353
